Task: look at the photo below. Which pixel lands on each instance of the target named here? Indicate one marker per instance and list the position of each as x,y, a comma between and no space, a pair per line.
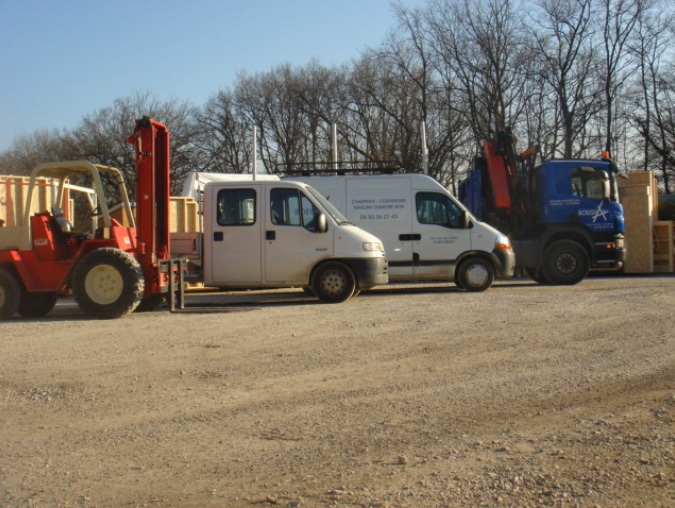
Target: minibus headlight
502,242
373,247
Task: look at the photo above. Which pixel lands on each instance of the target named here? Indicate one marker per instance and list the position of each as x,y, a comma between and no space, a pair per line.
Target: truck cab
582,196
563,216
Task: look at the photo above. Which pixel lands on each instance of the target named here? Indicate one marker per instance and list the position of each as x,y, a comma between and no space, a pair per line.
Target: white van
270,233
428,235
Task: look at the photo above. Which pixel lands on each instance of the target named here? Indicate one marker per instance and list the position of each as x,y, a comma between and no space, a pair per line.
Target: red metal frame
498,177
151,142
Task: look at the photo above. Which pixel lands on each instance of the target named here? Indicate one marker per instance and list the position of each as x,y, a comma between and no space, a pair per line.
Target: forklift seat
63,223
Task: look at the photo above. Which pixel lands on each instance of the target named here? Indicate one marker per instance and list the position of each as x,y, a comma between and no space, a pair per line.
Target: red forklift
116,265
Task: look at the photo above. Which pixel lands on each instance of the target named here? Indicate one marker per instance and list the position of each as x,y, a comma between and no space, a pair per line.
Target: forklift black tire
35,305
108,283
10,295
333,282
565,263
475,274
152,302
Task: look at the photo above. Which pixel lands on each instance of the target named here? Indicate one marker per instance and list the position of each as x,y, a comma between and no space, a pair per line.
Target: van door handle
270,235
217,236
410,237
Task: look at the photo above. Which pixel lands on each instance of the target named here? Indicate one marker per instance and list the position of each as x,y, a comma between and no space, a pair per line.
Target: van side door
442,236
234,253
293,244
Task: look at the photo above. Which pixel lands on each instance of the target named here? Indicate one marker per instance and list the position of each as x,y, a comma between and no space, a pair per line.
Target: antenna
255,151
425,149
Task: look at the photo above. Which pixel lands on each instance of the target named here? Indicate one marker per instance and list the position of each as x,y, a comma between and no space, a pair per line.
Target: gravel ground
407,396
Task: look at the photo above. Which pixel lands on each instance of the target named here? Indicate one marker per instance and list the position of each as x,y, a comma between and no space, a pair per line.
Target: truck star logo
600,213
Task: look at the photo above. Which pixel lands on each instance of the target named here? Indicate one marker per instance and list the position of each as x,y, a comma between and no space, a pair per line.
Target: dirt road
521,396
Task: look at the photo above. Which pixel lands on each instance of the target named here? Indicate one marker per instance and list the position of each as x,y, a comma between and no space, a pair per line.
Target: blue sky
64,59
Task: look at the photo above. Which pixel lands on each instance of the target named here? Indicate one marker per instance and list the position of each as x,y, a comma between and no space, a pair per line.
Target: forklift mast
151,142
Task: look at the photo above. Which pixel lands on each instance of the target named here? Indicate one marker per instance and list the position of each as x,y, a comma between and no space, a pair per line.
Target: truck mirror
604,178
466,220
321,226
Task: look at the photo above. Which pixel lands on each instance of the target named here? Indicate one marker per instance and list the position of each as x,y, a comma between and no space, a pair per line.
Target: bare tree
225,138
102,136
563,43
272,102
654,93
29,151
618,21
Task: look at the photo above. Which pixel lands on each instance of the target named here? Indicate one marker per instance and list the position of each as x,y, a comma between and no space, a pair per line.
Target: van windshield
328,206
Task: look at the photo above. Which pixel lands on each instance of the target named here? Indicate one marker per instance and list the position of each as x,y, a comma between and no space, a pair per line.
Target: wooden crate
184,215
664,246
638,206
14,193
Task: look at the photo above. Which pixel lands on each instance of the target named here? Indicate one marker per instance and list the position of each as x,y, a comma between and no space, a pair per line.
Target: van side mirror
321,225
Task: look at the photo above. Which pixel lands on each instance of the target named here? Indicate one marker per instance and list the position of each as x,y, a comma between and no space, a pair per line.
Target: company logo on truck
595,214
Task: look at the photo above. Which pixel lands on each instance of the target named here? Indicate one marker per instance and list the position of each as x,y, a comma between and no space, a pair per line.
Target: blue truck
563,217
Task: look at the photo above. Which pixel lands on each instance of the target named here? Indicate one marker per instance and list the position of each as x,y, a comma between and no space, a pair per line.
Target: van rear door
438,224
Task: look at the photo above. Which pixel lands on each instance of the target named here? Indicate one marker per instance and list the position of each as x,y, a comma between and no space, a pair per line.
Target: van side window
236,207
290,207
437,208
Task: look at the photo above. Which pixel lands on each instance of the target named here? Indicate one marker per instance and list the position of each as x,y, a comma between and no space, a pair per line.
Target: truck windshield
330,209
588,182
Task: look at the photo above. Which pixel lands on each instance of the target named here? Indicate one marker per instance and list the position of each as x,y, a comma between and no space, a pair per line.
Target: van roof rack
343,168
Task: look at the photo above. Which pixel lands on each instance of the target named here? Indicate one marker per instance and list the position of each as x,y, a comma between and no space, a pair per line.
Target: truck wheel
10,295
37,304
565,263
333,283
108,283
537,275
475,274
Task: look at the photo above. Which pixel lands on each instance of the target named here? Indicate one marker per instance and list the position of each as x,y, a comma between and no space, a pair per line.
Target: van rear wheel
333,283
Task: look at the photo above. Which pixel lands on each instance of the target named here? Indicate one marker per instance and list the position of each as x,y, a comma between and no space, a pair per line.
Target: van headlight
373,247
502,242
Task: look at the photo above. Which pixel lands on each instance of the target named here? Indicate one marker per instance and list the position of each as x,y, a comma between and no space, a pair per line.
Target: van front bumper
369,272
505,263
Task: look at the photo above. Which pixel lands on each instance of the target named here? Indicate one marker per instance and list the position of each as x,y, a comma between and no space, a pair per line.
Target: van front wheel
475,274
333,283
